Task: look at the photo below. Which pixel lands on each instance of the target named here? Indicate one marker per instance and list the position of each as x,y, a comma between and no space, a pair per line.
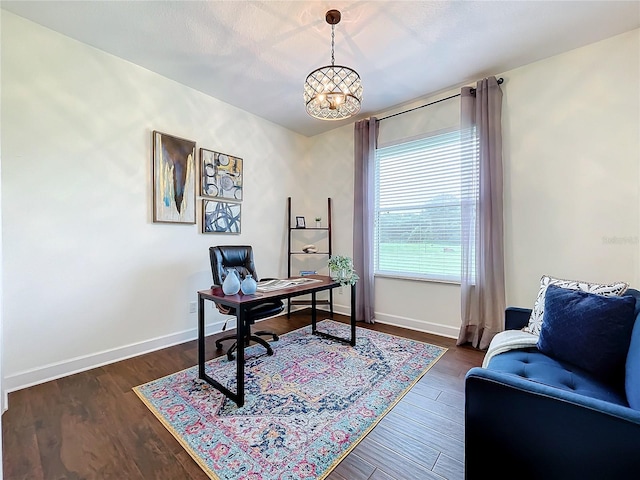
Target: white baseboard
341,309
53,371
35,376
404,322
418,325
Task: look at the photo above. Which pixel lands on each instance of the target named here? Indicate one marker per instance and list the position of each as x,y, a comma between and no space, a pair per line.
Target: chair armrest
517,428
515,318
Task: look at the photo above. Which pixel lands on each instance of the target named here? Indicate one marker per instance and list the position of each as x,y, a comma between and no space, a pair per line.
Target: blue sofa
531,416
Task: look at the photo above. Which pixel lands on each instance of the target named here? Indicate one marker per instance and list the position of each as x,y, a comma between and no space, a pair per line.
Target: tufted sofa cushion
533,365
632,378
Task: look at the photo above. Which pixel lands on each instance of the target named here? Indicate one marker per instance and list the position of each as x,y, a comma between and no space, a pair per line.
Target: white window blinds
420,188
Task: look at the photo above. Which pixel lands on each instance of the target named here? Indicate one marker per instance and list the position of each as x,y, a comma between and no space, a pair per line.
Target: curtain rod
473,90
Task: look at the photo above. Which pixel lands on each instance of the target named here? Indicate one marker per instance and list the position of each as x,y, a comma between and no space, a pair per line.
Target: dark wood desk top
217,295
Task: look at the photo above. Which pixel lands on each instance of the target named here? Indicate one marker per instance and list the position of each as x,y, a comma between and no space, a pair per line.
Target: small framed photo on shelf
300,222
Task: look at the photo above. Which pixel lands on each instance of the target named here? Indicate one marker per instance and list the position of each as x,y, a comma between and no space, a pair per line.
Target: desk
241,302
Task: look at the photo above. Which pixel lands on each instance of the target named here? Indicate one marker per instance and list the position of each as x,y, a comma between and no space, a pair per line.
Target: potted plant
341,268
318,220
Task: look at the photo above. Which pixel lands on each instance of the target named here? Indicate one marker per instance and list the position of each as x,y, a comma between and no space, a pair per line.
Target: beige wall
572,156
571,150
88,278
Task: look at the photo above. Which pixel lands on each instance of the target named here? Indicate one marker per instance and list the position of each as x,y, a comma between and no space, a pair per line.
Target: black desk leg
313,312
331,303
240,328
353,315
200,337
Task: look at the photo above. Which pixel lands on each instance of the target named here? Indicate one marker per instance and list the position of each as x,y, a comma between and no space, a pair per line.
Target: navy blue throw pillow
588,330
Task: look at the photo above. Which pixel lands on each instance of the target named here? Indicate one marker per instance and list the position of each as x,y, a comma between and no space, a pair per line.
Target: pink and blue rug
306,407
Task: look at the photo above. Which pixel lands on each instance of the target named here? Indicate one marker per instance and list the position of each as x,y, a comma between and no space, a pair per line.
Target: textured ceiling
256,54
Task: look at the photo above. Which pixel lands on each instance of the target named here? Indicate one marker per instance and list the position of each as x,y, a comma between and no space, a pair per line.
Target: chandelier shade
333,92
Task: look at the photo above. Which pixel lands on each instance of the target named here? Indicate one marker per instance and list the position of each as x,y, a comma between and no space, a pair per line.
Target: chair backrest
226,257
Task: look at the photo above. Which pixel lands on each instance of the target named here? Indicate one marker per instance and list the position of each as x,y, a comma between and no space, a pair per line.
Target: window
420,189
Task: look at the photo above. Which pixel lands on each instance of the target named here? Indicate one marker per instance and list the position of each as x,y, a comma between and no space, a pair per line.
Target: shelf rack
291,254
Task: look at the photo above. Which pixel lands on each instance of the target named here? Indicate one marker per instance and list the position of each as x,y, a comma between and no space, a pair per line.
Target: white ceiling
256,54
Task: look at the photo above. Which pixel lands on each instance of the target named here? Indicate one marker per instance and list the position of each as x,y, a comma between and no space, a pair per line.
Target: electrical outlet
193,307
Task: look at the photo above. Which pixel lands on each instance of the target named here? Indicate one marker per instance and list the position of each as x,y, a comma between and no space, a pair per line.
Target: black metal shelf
309,253
290,254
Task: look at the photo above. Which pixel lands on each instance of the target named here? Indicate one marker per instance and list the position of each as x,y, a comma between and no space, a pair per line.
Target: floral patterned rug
306,407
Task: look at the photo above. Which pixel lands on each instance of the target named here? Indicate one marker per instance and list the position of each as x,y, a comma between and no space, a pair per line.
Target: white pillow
537,314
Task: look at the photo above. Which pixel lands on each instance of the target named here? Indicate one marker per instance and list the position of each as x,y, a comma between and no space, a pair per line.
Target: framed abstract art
174,179
220,217
220,175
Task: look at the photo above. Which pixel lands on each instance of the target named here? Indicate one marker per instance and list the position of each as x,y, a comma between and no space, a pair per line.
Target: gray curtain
365,139
483,294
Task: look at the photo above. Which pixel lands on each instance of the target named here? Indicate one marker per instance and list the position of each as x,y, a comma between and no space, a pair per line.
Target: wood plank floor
92,426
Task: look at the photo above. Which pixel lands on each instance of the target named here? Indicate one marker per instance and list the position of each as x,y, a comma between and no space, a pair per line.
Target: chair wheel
269,351
230,357
218,345
275,337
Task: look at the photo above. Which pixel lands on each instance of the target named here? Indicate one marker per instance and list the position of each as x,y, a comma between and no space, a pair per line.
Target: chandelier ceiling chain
333,92
333,38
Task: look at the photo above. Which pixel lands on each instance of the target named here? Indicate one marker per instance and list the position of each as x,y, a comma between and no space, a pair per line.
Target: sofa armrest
515,318
517,428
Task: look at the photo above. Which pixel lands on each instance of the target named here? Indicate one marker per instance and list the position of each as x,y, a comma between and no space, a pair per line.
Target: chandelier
333,92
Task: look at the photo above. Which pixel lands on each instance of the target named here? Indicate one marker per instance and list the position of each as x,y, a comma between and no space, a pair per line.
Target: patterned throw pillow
537,314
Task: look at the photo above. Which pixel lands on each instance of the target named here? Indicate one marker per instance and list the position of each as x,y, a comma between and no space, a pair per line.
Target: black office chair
240,258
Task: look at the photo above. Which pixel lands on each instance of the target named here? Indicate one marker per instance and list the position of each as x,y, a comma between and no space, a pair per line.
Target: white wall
331,170
4,401
88,278
571,148
572,156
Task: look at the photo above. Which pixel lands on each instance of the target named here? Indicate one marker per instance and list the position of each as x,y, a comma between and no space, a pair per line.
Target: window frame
472,163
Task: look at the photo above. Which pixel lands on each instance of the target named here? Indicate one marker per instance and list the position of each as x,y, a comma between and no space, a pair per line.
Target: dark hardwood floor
91,425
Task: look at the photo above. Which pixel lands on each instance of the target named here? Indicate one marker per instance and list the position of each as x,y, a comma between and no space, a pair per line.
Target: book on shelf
279,284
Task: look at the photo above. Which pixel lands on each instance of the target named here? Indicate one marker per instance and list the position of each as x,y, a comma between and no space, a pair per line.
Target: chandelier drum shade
333,92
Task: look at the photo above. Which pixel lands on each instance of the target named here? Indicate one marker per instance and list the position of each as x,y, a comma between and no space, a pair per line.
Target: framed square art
174,179
220,217
220,175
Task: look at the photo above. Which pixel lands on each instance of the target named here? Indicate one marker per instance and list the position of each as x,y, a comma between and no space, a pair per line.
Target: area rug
306,407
